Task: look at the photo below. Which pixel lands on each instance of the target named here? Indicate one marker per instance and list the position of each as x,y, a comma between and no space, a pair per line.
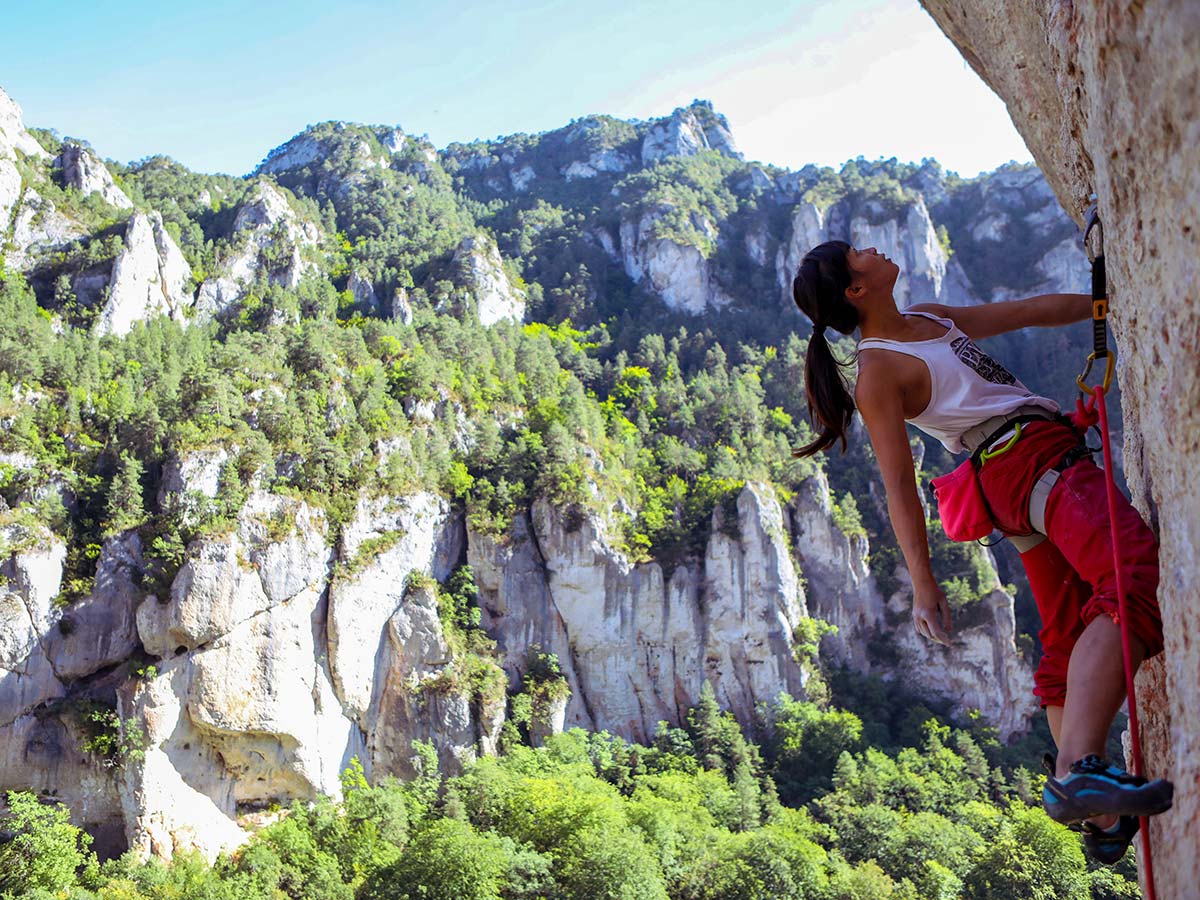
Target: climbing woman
920,365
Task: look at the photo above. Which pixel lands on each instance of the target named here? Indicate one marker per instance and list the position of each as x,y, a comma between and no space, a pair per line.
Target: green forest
830,806
605,402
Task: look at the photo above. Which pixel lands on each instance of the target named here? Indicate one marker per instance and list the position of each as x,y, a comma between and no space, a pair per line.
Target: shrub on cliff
41,849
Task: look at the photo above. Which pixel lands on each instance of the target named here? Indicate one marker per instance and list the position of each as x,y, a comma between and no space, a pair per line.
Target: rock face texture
14,139
636,643
32,575
1105,96
149,276
906,235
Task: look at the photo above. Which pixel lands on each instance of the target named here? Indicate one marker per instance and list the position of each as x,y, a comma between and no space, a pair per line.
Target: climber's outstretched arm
1044,310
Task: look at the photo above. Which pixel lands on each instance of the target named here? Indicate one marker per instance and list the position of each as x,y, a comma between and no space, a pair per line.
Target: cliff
276,655
1105,96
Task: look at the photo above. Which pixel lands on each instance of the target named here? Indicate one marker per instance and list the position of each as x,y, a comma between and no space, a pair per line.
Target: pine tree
704,723
125,509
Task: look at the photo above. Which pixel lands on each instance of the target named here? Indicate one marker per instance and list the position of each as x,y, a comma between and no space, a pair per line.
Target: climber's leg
1060,595
1095,691
1078,524
1054,717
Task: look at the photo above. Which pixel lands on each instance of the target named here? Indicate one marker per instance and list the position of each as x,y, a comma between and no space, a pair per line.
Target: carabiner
1110,364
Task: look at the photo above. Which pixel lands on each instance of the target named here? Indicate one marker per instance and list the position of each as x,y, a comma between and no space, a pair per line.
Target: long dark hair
819,290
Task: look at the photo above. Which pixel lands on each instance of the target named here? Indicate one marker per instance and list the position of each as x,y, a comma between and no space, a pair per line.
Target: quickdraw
1099,308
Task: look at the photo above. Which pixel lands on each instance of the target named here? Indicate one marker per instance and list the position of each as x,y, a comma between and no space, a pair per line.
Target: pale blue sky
217,85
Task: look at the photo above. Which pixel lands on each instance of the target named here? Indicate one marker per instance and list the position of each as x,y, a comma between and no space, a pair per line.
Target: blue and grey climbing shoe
1095,788
1108,846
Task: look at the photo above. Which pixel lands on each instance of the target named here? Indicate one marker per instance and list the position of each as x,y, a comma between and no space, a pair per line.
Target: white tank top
966,386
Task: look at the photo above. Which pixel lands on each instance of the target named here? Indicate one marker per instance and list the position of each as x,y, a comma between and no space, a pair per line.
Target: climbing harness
1100,350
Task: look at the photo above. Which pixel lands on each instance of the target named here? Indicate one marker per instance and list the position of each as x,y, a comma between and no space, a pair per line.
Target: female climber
920,365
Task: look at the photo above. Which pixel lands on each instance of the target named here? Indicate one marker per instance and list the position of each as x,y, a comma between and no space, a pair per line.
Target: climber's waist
991,431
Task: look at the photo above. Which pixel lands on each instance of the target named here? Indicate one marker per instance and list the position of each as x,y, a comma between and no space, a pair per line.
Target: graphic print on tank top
983,364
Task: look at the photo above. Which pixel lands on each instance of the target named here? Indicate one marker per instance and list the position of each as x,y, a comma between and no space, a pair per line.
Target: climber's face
871,274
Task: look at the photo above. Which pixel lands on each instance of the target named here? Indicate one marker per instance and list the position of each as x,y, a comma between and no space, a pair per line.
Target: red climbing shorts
1072,573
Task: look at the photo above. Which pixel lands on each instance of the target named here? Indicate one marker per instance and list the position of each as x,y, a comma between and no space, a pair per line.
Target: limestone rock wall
907,235
1105,95
686,132
280,652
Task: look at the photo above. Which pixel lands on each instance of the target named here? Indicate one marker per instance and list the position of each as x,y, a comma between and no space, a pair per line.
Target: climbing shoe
1092,787
1109,846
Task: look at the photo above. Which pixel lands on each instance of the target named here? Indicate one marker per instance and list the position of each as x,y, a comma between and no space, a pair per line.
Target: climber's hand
931,613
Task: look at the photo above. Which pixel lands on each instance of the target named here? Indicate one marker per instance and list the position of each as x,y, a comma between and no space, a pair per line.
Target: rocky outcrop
606,156
302,150
686,132
85,172
29,224
101,629
278,550
834,564
907,236
363,291
479,267
912,243
635,643
401,309
30,579
189,479
677,272
242,711
13,136
981,670
14,139
607,161
1106,100
806,230
387,650
269,240
149,277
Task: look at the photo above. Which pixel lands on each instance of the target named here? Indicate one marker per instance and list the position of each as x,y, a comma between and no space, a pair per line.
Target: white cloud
880,81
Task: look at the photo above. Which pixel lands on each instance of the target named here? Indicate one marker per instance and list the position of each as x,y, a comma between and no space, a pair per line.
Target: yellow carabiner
990,454
1110,364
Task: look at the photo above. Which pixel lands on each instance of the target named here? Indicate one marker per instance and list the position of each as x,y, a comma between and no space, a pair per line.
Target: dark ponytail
819,290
